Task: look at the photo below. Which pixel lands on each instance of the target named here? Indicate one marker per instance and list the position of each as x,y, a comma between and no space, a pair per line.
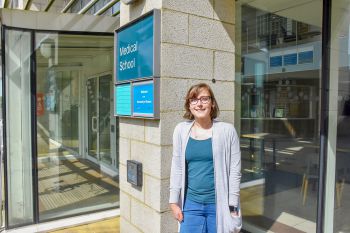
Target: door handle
94,123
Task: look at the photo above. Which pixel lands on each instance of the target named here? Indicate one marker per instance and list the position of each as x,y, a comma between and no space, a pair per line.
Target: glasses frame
194,101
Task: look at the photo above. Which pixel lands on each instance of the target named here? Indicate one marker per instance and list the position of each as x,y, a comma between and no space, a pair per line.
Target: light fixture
47,48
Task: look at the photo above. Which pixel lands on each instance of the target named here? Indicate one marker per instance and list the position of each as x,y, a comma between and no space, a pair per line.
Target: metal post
326,33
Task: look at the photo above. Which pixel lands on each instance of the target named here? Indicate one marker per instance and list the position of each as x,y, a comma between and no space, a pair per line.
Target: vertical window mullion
34,129
324,118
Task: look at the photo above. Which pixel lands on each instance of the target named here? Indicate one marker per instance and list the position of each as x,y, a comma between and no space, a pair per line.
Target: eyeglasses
203,99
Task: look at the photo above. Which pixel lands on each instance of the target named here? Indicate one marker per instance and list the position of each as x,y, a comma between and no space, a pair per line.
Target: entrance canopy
61,15
92,7
57,21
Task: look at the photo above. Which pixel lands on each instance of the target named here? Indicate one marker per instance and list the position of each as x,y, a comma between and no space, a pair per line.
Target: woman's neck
203,123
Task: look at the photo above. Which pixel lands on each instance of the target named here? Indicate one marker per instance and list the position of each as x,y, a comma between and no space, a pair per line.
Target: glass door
68,182
92,109
101,123
104,123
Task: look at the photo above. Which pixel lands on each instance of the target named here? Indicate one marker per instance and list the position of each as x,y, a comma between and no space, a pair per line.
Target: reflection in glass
105,96
100,127
339,130
18,128
70,182
92,117
278,66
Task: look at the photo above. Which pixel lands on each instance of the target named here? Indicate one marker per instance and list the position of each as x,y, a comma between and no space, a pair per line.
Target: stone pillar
197,45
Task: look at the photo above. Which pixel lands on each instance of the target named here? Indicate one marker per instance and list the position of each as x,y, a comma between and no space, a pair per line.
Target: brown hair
193,93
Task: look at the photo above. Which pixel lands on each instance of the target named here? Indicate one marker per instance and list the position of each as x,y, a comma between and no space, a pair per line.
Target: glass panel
105,96
40,5
115,9
339,124
69,183
78,5
97,6
92,117
57,6
278,51
18,119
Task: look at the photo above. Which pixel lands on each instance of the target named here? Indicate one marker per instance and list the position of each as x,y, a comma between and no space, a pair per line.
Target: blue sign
135,50
275,61
290,59
143,95
122,96
306,57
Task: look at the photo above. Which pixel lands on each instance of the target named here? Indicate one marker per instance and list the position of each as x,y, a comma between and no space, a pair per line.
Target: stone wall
197,45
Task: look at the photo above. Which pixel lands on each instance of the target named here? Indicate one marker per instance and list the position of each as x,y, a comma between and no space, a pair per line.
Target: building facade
280,72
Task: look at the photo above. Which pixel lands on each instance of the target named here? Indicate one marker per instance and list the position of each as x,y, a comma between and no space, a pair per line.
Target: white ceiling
307,11
298,10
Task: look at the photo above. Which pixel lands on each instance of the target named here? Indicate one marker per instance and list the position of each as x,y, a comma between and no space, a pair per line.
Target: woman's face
201,106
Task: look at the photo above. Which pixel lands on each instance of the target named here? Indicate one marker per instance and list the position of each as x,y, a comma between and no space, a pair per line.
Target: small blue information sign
143,97
123,99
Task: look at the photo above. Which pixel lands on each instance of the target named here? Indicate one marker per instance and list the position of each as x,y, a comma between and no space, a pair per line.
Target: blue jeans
198,218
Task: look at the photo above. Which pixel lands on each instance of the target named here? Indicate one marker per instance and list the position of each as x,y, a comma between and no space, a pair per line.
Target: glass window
18,127
278,52
97,6
77,158
57,6
78,5
339,112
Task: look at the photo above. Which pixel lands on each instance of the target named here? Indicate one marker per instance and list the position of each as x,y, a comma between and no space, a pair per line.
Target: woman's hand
176,212
234,213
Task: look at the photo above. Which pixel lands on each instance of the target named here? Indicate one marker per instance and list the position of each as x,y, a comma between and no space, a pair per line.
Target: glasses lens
205,99
193,101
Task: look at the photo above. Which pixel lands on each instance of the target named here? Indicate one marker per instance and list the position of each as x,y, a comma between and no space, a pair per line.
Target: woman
205,170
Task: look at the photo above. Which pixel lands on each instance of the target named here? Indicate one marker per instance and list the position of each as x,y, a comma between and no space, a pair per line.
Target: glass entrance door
68,182
101,124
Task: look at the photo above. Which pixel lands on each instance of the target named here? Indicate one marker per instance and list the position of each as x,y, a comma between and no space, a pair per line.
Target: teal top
200,185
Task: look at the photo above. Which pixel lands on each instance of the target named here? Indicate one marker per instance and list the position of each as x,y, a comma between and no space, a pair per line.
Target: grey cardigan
227,171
